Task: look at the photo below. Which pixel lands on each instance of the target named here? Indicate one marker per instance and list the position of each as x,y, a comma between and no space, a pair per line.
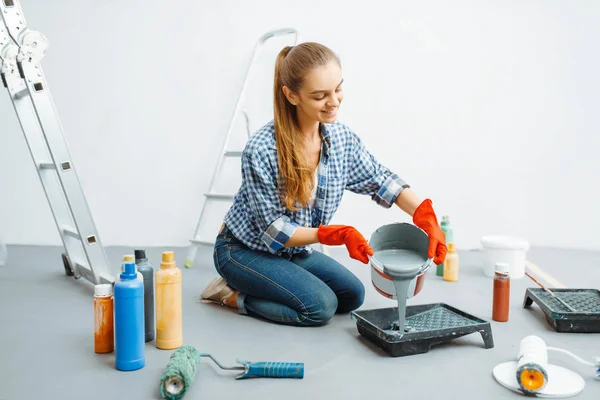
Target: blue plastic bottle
129,320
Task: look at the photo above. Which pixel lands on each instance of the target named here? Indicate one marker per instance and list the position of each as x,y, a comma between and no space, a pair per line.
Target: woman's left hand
424,217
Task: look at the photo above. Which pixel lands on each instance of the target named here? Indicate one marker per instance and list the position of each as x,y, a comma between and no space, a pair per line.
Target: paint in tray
585,302
426,325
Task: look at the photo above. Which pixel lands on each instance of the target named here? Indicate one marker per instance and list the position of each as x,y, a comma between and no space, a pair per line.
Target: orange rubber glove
357,245
424,217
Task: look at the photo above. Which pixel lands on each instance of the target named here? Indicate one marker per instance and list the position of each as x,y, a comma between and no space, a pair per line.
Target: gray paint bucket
403,239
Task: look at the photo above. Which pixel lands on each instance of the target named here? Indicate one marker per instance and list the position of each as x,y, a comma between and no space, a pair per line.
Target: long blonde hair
295,175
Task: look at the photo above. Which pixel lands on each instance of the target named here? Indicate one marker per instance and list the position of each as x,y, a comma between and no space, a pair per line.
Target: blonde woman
295,170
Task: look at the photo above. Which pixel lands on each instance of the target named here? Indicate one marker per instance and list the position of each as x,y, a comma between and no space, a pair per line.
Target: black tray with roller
426,325
585,302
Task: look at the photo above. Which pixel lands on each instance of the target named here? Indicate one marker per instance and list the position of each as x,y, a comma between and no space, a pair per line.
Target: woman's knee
353,296
319,308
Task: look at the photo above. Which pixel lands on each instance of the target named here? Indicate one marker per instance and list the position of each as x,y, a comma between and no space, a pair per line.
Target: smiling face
320,96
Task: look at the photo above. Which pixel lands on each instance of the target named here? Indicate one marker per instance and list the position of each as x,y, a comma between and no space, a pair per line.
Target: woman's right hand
336,235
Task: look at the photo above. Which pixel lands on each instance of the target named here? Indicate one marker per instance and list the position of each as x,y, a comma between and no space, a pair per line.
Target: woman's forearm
408,201
303,237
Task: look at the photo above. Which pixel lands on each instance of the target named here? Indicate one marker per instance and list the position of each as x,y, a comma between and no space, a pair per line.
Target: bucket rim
422,269
377,265
504,242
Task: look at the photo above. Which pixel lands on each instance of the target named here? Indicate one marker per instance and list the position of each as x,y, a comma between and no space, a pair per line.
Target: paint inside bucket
399,263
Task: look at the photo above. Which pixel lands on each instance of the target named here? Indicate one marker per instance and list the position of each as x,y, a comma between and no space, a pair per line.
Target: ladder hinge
20,67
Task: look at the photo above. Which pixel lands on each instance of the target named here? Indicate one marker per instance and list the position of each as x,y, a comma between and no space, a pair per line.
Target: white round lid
502,268
104,289
562,382
505,242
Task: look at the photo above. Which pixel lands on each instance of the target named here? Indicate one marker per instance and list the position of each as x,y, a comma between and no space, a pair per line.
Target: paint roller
532,364
183,364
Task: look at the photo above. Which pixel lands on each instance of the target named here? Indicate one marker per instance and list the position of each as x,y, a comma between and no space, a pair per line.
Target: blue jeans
305,290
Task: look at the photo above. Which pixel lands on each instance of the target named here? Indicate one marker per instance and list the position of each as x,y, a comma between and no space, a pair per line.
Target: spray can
447,229
501,301
104,338
129,320
169,325
147,271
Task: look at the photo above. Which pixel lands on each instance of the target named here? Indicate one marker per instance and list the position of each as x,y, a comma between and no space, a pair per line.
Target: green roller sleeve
179,373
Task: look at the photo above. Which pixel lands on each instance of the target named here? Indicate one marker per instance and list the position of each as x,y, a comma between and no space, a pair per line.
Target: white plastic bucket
505,249
398,236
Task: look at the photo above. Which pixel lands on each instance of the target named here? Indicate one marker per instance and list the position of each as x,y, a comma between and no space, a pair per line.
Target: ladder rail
191,255
261,41
35,96
27,120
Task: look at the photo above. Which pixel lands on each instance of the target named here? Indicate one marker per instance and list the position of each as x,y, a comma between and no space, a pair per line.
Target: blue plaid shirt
259,218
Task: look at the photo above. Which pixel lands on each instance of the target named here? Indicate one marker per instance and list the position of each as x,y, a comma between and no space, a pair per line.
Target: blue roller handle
267,369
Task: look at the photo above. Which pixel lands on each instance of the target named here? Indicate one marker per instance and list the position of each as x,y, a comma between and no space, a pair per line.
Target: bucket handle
379,267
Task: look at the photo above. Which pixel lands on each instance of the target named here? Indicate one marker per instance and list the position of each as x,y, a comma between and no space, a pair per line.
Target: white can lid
504,242
104,289
502,268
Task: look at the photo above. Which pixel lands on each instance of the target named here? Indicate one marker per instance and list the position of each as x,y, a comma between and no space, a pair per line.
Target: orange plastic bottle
104,338
501,299
169,324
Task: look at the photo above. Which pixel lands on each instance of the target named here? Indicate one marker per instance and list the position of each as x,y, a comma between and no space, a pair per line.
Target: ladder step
65,166
219,196
198,241
233,154
47,165
21,93
71,232
85,271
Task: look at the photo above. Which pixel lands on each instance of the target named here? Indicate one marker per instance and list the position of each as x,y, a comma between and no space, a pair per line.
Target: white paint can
504,249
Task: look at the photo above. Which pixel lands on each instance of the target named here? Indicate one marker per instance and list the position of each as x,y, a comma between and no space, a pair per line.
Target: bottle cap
126,258
140,255
445,218
502,268
168,259
129,271
103,289
451,247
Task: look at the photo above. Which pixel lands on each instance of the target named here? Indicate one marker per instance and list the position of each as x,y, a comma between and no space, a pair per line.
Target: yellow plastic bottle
169,324
451,264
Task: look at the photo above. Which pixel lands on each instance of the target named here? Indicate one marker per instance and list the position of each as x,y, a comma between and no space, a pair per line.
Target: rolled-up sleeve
263,196
367,176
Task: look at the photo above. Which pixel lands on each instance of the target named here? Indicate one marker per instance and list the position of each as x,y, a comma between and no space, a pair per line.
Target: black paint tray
585,302
428,325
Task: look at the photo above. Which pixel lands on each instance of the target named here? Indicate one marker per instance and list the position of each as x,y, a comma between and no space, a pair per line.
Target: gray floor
46,346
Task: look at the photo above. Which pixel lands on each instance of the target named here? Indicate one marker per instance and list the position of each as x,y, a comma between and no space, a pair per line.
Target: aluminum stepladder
21,50
196,241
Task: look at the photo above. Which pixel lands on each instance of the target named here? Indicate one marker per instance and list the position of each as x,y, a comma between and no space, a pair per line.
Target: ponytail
296,177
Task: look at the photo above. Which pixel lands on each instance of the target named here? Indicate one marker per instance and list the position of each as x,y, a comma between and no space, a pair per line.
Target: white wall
489,108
